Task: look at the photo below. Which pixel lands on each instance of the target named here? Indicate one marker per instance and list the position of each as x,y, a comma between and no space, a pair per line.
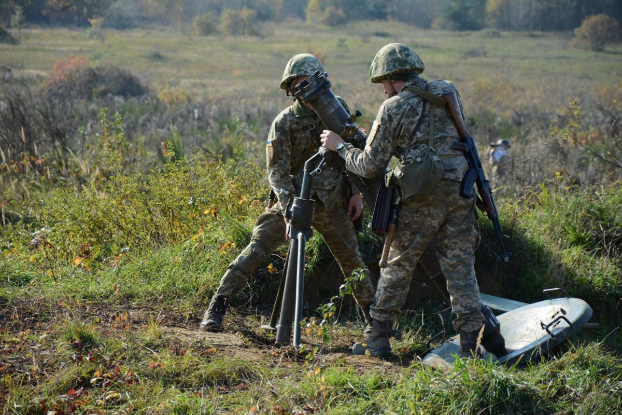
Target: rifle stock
475,174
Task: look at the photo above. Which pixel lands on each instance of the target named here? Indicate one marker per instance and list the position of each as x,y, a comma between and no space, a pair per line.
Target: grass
103,285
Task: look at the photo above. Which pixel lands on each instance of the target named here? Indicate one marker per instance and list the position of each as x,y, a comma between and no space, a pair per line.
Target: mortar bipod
301,218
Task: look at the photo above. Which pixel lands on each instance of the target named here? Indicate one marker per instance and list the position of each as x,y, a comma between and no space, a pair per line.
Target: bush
598,31
5,37
238,22
333,16
123,15
205,25
88,83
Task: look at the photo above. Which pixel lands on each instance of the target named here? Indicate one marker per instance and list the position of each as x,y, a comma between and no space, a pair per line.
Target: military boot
492,340
469,343
377,344
368,321
212,320
395,333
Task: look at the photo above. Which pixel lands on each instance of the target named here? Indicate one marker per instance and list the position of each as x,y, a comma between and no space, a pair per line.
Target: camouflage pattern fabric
500,158
394,125
303,64
393,59
290,144
444,216
269,234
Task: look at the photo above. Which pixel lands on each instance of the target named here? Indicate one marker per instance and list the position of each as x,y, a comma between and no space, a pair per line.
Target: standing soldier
500,159
409,128
293,139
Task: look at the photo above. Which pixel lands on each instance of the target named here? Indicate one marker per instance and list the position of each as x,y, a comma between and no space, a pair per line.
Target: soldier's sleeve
378,150
278,152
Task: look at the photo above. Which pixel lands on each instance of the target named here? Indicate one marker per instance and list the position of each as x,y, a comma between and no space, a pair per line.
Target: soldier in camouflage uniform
292,140
443,216
500,159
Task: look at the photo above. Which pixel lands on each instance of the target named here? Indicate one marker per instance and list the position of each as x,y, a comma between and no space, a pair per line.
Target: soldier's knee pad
252,256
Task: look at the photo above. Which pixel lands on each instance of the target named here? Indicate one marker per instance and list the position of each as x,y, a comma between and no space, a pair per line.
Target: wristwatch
339,146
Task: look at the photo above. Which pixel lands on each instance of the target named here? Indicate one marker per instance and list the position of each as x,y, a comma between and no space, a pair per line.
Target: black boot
492,340
377,344
368,322
469,343
395,333
212,320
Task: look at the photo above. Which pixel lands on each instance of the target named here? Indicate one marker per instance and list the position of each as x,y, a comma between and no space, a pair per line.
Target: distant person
292,140
407,127
502,165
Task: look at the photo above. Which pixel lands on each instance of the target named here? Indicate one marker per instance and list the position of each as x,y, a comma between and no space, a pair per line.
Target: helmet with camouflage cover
501,142
393,59
303,64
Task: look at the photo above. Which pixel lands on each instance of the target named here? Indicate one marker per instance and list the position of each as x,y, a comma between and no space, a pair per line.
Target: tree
238,22
205,25
333,16
598,31
314,11
17,21
464,14
76,11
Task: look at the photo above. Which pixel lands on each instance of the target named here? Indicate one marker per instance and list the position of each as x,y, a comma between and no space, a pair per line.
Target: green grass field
104,281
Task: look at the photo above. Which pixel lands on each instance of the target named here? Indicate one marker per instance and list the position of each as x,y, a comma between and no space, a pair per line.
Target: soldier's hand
355,207
330,140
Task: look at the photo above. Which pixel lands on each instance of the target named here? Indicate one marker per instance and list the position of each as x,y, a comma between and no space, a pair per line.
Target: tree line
541,15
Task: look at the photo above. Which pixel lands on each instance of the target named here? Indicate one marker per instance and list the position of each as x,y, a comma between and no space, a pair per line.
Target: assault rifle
475,174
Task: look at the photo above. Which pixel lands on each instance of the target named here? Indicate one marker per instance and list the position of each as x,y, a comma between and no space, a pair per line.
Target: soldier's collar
417,81
300,111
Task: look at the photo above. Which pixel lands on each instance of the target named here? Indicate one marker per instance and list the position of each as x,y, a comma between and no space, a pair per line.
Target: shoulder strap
425,101
435,100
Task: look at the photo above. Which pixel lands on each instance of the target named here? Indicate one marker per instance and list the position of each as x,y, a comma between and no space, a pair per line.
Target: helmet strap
392,91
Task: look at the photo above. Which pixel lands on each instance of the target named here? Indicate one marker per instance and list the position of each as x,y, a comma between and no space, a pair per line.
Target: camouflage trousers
500,175
449,220
269,233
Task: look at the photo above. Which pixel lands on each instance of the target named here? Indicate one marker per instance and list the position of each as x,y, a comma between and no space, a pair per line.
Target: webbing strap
414,133
435,100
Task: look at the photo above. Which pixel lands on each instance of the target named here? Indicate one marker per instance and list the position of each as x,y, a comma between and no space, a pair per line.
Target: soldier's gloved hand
355,206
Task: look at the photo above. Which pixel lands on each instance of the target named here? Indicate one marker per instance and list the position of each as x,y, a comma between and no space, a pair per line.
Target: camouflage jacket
290,144
393,127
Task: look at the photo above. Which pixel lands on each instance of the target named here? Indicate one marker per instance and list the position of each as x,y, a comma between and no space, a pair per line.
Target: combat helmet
393,59
303,64
501,142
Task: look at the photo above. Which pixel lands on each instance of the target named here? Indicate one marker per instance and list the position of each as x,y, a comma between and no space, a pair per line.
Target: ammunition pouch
418,175
419,171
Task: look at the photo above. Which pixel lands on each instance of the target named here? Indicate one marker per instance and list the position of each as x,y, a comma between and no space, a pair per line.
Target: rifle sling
425,94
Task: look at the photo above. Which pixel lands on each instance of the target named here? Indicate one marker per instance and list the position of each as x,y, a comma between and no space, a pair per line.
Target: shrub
205,25
123,15
598,31
88,83
63,68
333,16
238,22
5,37
33,131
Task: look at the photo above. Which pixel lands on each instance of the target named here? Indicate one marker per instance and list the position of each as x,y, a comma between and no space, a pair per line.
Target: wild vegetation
133,168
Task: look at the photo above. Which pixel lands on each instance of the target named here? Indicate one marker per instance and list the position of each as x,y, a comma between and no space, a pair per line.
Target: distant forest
539,15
